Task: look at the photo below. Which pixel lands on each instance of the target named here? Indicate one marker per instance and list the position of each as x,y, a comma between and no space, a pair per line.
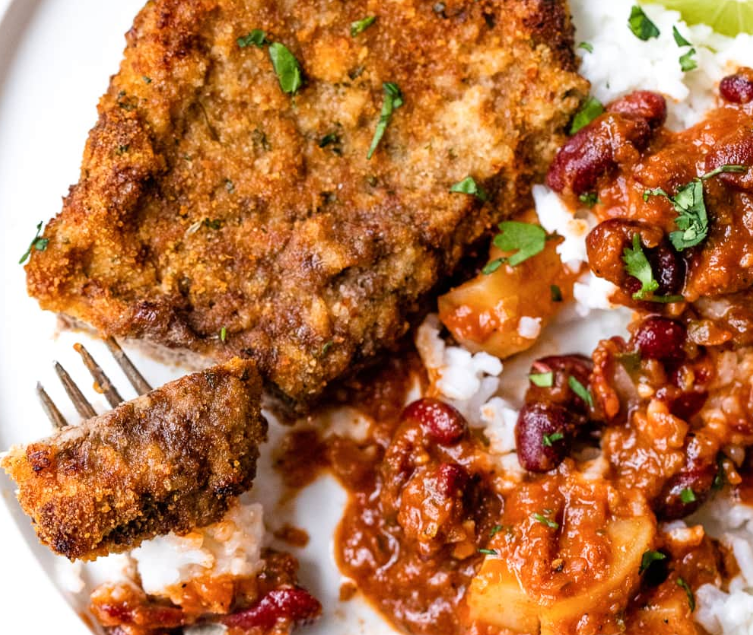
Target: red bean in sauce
688,489
441,422
735,149
542,436
293,605
660,338
595,149
737,88
642,104
592,152
669,268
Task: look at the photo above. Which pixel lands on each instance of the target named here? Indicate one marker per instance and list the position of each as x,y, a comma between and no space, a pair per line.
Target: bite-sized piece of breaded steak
172,460
212,202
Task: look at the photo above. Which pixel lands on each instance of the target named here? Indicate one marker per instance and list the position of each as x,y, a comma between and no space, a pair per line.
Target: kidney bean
685,492
660,338
669,268
452,479
592,152
734,149
682,404
738,88
289,604
441,422
538,422
688,404
642,104
562,367
606,245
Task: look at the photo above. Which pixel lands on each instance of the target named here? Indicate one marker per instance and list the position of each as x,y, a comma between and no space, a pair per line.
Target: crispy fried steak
210,201
171,460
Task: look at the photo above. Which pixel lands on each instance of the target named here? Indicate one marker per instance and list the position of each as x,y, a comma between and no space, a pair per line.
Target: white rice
229,547
556,218
499,418
465,380
621,63
529,328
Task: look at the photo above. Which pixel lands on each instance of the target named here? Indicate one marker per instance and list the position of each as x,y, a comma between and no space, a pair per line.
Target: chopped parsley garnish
692,219
687,496
679,39
257,38
724,169
495,530
590,199
213,223
469,186
580,390
488,552
721,475
287,68
638,266
327,347
525,239
649,558
147,80
361,25
492,266
546,521
586,46
556,293
542,380
550,439
393,99
688,591
40,244
229,186
223,334
688,62
641,25
590,109
631,362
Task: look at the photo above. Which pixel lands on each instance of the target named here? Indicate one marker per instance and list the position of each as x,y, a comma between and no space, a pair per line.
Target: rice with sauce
230,547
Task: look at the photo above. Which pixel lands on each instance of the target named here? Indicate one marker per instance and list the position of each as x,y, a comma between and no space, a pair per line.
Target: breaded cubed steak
218,213
171,460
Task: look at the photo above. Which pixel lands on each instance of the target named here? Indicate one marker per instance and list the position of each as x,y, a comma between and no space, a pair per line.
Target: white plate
55,60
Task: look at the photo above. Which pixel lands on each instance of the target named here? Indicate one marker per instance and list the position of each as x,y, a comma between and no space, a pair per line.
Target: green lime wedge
728,17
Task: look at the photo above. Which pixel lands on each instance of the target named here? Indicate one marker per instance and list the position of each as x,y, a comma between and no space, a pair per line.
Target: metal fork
102,383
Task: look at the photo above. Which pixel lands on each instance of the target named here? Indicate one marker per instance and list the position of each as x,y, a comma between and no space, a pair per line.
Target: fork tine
134,376
50,409
83,407
104,384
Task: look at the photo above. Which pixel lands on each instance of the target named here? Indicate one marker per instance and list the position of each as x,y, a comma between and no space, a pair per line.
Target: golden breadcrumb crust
212,202
171,460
